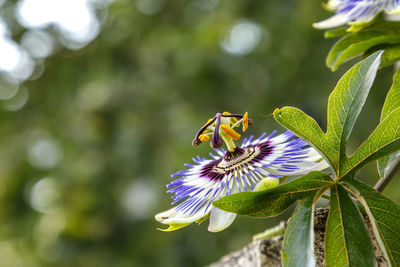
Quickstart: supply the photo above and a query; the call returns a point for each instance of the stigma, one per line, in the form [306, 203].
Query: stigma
[221, 129]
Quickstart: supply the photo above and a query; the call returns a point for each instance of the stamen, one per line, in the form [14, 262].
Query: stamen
[230, 132]
[245, 121]
[196, 141]
[238, 116]
[233, 120]
[224, 122]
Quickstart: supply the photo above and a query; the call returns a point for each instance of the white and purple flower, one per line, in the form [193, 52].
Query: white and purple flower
[356, 11]
[234, 170]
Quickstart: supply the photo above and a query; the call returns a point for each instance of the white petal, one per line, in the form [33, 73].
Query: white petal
[172, 216]
[395, 11]
[220, 220]
[332, 22]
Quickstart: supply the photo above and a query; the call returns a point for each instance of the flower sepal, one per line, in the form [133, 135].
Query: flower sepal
[266, 183]
[173, 227]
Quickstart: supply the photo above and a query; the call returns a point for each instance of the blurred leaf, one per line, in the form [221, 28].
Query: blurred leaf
[390, 55]
[384, 215]
[356, 44]
[391, 103]
[300, 234]
[364, 39]
[336, 32]
[347, 239]
[276, 200]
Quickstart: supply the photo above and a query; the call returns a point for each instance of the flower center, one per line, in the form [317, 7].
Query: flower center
[235, 159]
[221, 130]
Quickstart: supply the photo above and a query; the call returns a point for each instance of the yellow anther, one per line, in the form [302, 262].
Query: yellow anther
[245, 121]
[233, 119]
[230, 132]
[204, 138]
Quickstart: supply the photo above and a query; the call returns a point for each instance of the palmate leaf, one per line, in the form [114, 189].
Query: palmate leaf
[344, 106]
[274, 201]
[391, 103]
[346, 101]
[347, 239]
[384, 215]
[300, 234]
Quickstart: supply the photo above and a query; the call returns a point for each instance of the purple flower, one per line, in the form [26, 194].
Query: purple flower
[356, 11]
[234, 170]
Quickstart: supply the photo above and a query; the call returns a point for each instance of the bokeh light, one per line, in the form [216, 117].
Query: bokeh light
[44, 153]
[44, 196]
[242, 38]
[140, 199]
[75, 19]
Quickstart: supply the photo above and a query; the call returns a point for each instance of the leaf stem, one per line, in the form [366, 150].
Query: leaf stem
[271, 232]
[383, 182]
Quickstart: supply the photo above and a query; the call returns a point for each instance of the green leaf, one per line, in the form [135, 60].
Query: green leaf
[355, 44]
[346, 101]
[391, 103]
[305, 127]
[274, 201]
[389, 57]
[384, 140]
[336, 32]
[384, 215]
[357, 49]
[344, 106]
[300, 234]
[347, 240]
[365, 39]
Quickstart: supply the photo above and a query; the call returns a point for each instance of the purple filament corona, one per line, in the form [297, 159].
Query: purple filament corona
[227, 172]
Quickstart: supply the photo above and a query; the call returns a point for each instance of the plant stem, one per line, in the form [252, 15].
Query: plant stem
[271, 232]
[382, 183]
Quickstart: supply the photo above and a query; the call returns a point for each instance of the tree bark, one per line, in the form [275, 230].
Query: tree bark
[268, 252]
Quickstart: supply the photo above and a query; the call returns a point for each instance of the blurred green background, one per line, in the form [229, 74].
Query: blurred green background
[103, 99]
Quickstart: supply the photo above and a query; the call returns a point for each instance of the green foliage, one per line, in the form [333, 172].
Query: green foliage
[384, 215]
[299, 233]
[363, 41]
[278, 198]
[391, 103]
[347, 239]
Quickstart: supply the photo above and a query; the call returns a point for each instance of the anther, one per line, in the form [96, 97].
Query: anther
[245, 121]
[203, 129]
[230, 132]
